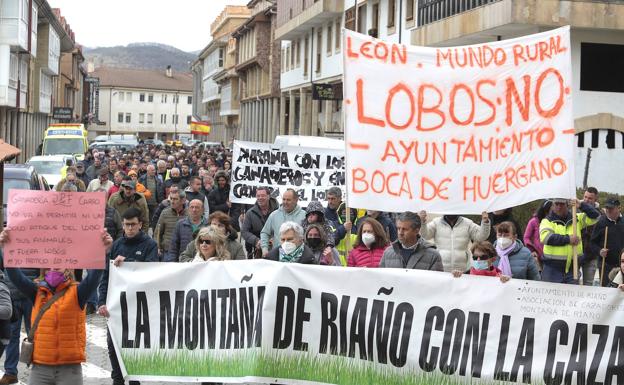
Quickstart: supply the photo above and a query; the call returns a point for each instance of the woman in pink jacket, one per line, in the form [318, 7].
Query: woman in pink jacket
[369, 245]
[531, 234]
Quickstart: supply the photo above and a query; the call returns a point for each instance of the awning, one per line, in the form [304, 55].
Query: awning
[7, 151]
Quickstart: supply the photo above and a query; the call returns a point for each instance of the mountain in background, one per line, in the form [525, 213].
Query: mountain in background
[141, 55]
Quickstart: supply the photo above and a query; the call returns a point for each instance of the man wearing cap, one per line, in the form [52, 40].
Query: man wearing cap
[81, 174]
[558, 239]
[101, 183]
[612, 219]
[127, 197]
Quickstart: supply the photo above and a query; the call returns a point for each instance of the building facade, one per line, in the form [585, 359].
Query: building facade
[258, 67]
[597, 50]
[215, 81]
[32, 40]
[148, 103]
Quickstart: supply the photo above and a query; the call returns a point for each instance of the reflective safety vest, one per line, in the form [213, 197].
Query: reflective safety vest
[341, 247]
[550, 226]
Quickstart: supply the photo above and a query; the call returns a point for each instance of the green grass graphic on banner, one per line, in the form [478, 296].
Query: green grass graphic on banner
[297, 366]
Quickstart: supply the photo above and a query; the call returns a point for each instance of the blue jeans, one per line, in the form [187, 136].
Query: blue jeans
[557, 274]
[23, 308]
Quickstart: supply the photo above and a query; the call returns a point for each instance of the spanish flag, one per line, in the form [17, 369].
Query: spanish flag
[200, 128]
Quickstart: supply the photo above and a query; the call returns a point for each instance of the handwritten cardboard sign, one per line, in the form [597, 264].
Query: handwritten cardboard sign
[55, 229]
[310, 171]
[458, 129]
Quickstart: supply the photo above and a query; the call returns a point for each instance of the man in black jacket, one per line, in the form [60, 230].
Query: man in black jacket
[615, 238]
[133, 246]
[255, 218]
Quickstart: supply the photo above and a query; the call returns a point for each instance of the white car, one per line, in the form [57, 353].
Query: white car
[49, 166]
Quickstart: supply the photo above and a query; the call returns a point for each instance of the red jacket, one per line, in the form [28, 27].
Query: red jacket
[362, 256]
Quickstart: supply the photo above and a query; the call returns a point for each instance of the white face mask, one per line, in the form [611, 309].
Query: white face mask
[288, 247]
[368, 238]
[504, 242]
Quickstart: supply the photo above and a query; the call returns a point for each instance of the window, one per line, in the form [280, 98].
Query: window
[375, 17]
[298, 53]
[221, 56]
[174, 119]
[150, 118]
[595, 139]
[128, 117]
[338, 36]
[163, 118]
[188, 119]
[391, 12]
[601, 67]
[150, 98]
[141, 118]
[141, 97]
[409, 10]
[288, 59]
[120, 116]
[319, 41]
[580, 139]
[129, 96]
[189, 100]
[328, 47]
[306, 56]
[176, 98]
[163, 98]
[120, 96]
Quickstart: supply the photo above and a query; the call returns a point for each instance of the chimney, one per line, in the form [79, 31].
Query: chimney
[169, 72]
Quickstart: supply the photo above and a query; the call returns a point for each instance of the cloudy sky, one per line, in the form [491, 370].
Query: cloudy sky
[184, 24]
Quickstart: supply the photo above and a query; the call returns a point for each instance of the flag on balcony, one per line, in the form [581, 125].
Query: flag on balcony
[200, 128]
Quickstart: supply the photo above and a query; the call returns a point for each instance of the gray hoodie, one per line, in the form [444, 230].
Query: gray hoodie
[270, 231]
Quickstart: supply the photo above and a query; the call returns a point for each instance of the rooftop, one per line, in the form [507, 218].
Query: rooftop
[143, 79]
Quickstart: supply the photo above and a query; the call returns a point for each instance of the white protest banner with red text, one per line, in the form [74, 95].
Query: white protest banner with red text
[458, 129]
[55, 229]
[310, 171]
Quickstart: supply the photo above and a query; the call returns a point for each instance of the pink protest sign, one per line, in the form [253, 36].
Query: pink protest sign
[55, 229]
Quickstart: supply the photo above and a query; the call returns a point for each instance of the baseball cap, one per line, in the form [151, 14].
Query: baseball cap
[129, 183]
[559, 200]
[612, 202]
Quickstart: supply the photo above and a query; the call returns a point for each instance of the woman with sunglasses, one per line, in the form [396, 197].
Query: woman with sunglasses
[483, 258]
[210, 244]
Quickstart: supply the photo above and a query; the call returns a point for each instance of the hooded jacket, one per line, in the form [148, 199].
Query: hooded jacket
[254, 222]
[522, 263]
[121, 204]
[423, 256]
[270, 231]
[452, 242]
[328, 226]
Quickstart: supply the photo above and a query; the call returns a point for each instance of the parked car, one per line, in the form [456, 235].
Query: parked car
[21, 177]
[155, 142]
[103, 146]
[117, 138]
[49, 166]
[209, 145]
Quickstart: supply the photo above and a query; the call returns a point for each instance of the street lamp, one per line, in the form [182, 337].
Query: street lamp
[110, 111]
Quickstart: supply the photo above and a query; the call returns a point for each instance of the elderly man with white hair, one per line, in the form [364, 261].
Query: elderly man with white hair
[292, 248]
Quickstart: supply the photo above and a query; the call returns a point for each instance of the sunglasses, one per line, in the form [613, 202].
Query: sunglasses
[477, 257]
[205, 241]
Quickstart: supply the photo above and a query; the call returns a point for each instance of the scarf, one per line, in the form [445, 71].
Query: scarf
[503, 263]
[292, 257]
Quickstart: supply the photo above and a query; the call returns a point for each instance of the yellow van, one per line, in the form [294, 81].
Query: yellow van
[65, 139]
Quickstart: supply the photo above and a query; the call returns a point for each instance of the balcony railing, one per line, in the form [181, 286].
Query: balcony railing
[430, 11]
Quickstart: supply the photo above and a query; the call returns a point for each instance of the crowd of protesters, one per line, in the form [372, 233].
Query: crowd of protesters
[172, 205]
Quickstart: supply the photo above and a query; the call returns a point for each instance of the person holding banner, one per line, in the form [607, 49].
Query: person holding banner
[483, 258]
[607, 239]
[291, 247]
[558, 237]
[288, 212]
[370, 244]
[617, 275]
[411, 250]
[58, 361]
[514, 259]
[134, 246]
[210, 244]
[452, 235]
[255, 218]
[316, 240]
[315, 214]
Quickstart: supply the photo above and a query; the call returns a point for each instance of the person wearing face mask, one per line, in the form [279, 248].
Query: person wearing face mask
[291, 248]
[452, 235]
[483, 257]
[514, 259]
[315, 214]
[316, 240]
[369, 245]
[72, 180]
[58, 360]
[384, 220]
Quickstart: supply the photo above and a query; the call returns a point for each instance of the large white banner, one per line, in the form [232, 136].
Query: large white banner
[310, 171]
[272, 322]
[458, 129]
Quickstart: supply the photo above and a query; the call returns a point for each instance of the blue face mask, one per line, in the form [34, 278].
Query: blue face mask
[480, 265]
